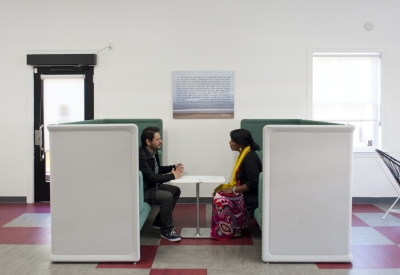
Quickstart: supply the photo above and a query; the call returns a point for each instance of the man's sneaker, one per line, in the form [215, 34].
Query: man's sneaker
[171, 236]
[157, 225]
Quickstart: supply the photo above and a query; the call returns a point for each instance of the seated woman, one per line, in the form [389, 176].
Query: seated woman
[236, 201]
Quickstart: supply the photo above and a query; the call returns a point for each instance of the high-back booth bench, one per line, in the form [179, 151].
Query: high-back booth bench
[96, 192]
[305, 189]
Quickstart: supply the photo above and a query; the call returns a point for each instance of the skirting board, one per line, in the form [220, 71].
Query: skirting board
[356, 200]
[23, 200]
[361, 200]
[13, 199]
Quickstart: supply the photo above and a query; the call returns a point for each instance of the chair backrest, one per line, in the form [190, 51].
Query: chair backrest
[392, 164]
[141, 123]
[256, 126]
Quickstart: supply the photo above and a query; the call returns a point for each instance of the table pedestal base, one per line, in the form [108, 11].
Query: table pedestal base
[204, 233]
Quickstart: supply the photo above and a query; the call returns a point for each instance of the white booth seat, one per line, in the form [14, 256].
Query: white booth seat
[306, 207]
[94, 193]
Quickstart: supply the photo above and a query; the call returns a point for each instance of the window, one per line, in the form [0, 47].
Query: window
[346, 88]
[63, 101]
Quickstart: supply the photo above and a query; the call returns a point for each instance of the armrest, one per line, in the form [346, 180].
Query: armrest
[141, 191]
[260, 191]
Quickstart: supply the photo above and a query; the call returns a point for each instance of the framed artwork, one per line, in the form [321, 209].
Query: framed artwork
[203, 94]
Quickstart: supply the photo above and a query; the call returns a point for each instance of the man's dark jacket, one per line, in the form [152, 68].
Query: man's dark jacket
[150, 179]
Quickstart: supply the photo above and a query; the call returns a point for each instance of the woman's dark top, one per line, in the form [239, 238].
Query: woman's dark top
[248, 174]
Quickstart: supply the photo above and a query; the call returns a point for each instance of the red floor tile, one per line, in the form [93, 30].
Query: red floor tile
[245, 239]
[38, 208]
[252, 223]
[147, 255]
[334, 265]
[366, 208]
[25, 207]
[178, 272]
[390, 232]
[25, 235]
[356, 221]
[185, 216]
[369, 257]
[12, 206]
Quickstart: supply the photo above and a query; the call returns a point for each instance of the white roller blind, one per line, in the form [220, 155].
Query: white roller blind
[63, 100]
[345, 87]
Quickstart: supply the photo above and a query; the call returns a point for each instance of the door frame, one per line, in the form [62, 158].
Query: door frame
[41, 186]
[47, 60]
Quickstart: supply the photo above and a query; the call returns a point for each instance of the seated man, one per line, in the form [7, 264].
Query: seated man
[154, 175]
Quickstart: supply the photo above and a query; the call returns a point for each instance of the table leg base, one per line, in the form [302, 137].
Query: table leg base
[204, 233]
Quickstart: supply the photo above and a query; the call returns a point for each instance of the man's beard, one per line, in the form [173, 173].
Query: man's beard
[155, 148]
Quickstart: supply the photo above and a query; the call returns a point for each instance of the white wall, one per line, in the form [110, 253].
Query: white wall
[264, 42]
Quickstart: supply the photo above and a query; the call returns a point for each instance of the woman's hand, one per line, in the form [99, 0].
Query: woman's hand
[227, 190]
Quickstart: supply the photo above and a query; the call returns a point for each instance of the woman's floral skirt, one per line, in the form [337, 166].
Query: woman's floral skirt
[229, 216]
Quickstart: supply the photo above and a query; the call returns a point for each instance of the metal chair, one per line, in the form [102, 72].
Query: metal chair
[394, 167]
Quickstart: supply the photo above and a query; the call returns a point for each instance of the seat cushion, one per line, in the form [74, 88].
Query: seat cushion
[258, 216]
[144, 213]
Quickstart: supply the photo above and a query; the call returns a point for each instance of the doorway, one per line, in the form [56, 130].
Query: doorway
[61, 94]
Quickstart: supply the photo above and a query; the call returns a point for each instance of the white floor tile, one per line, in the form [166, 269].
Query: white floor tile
[368, 236]
[375, 219]
[31, 220]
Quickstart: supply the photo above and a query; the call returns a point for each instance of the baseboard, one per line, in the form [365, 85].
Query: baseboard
[12, 199]
[180, 200]
[355, 200]
[360, 200]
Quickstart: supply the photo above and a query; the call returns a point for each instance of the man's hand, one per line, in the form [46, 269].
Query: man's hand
[177, 172]
[179, 165]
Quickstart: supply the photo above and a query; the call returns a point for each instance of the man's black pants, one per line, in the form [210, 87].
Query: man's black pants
[166, 197]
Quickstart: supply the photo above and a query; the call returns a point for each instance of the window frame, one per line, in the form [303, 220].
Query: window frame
[379, 132]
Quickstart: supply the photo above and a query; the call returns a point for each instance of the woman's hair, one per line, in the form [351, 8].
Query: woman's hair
[243, 137]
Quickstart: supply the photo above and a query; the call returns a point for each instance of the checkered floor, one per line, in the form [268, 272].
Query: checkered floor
[25, 247]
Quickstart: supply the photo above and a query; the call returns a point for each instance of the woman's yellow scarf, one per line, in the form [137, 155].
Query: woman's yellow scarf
[232, 183]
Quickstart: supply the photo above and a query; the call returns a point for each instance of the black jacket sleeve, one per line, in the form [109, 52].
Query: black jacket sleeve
[145, 166]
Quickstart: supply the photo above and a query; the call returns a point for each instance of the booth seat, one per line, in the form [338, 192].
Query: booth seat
[255, 126]
[141, 123]
[144, 207]
[258, 211]
[304, 190]
[97, 197]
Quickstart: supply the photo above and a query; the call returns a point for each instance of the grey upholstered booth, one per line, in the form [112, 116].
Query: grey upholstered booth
[305, 190]
[97, 206]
